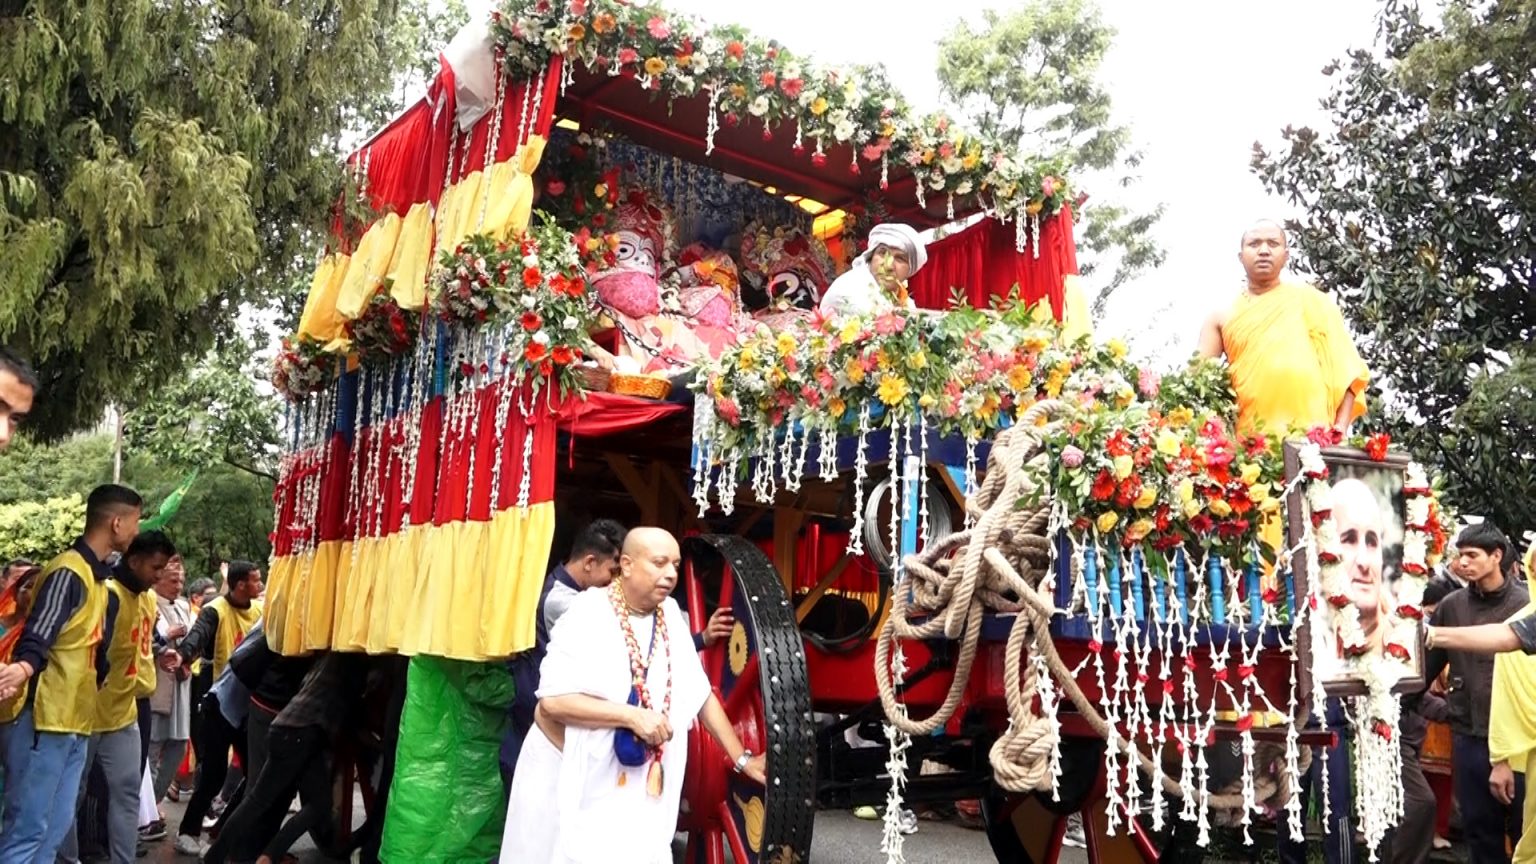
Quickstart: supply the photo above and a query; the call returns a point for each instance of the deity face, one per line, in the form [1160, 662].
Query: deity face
[792, 289]
[636, 253]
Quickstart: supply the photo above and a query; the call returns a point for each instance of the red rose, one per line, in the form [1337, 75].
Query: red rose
[535, 352]
[532, 321]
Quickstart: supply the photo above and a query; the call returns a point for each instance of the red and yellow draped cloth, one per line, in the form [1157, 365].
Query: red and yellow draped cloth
[426, 533]
[414, 508]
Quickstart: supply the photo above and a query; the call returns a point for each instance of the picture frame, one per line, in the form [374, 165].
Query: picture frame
[1370, 503]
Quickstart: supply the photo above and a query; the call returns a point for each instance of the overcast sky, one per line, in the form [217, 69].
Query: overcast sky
[1198, 81]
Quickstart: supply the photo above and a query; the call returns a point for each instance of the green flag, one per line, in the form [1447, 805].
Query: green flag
[169, 506]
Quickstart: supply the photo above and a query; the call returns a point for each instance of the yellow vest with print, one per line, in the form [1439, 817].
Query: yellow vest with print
[234, 623]
[66, 688]
[130, 659]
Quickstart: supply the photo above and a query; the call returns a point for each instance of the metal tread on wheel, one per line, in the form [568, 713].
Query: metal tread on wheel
[759, 675]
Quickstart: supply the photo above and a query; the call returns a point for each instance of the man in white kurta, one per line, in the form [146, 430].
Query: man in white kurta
[876, 282]
[582, 806]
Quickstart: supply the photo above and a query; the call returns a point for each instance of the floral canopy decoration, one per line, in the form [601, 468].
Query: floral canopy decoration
[814, 106]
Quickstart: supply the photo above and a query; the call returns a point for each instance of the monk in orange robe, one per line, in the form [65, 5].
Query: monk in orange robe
[1293, 363]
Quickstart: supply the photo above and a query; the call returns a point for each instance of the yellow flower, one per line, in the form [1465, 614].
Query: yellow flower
[1107, 522]
[970, 160]
[776, 376]
[747, 359]
[887, 130]
[819, 107]
[1178, 418]
[927, 401]
[1124, 398]
[1269, 505]
[1169, 442]
[786, 344]
[1147, 498]
[893, 389]
[988, 408]
[1186, 490]
[917, 360]
[683, 60]
[855, 370]
[928, 156]
[600, 190]
[1019, 378]
[836, 406]
[1220, 508]
[1053, 383]
[1259, 492]
[1036, 343]
[655, 66]
[849, 332]
[1139, 530]
[1117, 349]
[882, 360]
[1192, 508]
[1250, 473]
[1123, 467]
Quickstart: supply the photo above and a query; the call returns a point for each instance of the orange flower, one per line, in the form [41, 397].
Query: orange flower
[576, 33]
[532, 277]
[604, 23]
[562, 355]
[655, 66]
[535, 352]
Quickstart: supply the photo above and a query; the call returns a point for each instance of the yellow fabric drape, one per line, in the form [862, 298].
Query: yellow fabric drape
[319, 319]
[510, 205]
[458, 211]
[465, 590]
[1280, 384]
[370, 264]
[413, 258]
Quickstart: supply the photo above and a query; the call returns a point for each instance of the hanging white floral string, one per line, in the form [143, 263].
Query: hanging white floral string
[860, 471]
[713, 88]
[971, 440]
[703, 452]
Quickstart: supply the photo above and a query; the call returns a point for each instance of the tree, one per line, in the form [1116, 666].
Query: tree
[162, 166]
[1420, 214]
[215, 414]
[1030, 77]
[38, 530]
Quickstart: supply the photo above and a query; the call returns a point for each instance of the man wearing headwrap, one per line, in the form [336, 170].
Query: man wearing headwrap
[877, 280]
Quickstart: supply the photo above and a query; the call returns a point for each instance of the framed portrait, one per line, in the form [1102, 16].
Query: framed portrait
[1369, 514]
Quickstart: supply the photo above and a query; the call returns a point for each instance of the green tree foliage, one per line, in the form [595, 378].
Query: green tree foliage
[38, 530]
[1031, 76]
[1420, 214]
[215, 414]
[163, 166]
[227, 514]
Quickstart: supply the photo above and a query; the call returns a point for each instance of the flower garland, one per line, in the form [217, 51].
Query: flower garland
[383, 331]
[301, 368]
[749, 77]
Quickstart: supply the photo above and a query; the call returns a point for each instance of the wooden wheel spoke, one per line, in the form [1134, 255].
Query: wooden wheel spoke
[727, 587]
[696, 617]
[745, 687]
[733, 836]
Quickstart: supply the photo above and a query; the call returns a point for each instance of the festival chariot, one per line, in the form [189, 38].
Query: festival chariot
[964, 530]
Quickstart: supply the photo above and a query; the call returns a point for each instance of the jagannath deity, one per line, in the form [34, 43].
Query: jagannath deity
[790, 269]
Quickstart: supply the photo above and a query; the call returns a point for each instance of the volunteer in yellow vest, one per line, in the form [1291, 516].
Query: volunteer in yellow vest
[48, 692]
[1293, 363]
[127, 675]
[226, 619]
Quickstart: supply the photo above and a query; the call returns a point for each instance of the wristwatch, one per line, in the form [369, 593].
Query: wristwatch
[741, 761]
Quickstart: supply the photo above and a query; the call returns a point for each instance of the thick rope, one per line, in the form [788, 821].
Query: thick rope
[998, 564]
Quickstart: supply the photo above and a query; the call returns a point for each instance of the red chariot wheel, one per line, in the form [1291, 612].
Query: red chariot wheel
[759, 675]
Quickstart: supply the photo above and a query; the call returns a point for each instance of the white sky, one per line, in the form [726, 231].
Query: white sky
[1197, 81]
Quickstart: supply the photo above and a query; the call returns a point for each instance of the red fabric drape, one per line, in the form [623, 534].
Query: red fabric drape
[607, 413]
[985, 261]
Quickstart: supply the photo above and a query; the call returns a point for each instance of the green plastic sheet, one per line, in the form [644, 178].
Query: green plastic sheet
[446, 803]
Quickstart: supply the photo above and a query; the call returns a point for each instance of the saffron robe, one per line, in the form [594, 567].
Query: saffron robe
[1292, 359]
[581, 806]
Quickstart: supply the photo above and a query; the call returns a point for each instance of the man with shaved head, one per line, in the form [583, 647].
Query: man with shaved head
[600, 775]
[1293, 363]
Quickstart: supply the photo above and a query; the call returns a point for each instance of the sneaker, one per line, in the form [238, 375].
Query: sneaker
[186, 844]
[907, 821]
[866, 812]
[153, 831]
[210, 820]
[1074, 836]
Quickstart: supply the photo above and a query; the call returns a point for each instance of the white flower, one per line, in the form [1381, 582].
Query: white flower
[1319, 495]
[759, 106]
[529, 301]
[584, 139]
[708, 45]
[791, 70]
[844, 131]
[809, 96]
[964, 188]
[1415, 549]
[952, 165]
[1418, 509]
[570, 322]
[530, 260]
[541, 337]
[1416, 478]
[937, 181]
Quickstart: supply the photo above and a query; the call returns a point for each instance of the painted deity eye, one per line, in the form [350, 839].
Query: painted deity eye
[627, 249]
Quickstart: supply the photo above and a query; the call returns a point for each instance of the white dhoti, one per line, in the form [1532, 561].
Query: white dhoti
[582, 806]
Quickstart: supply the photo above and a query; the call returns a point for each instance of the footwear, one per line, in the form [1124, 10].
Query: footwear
[906, 821]
[866, 812]
[210, 820]
[1441, 842]
[186, 844]
[1074, 836]
[153, 831]
[174, 793]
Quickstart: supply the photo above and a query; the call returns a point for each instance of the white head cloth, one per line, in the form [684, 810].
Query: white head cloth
[903, 237]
